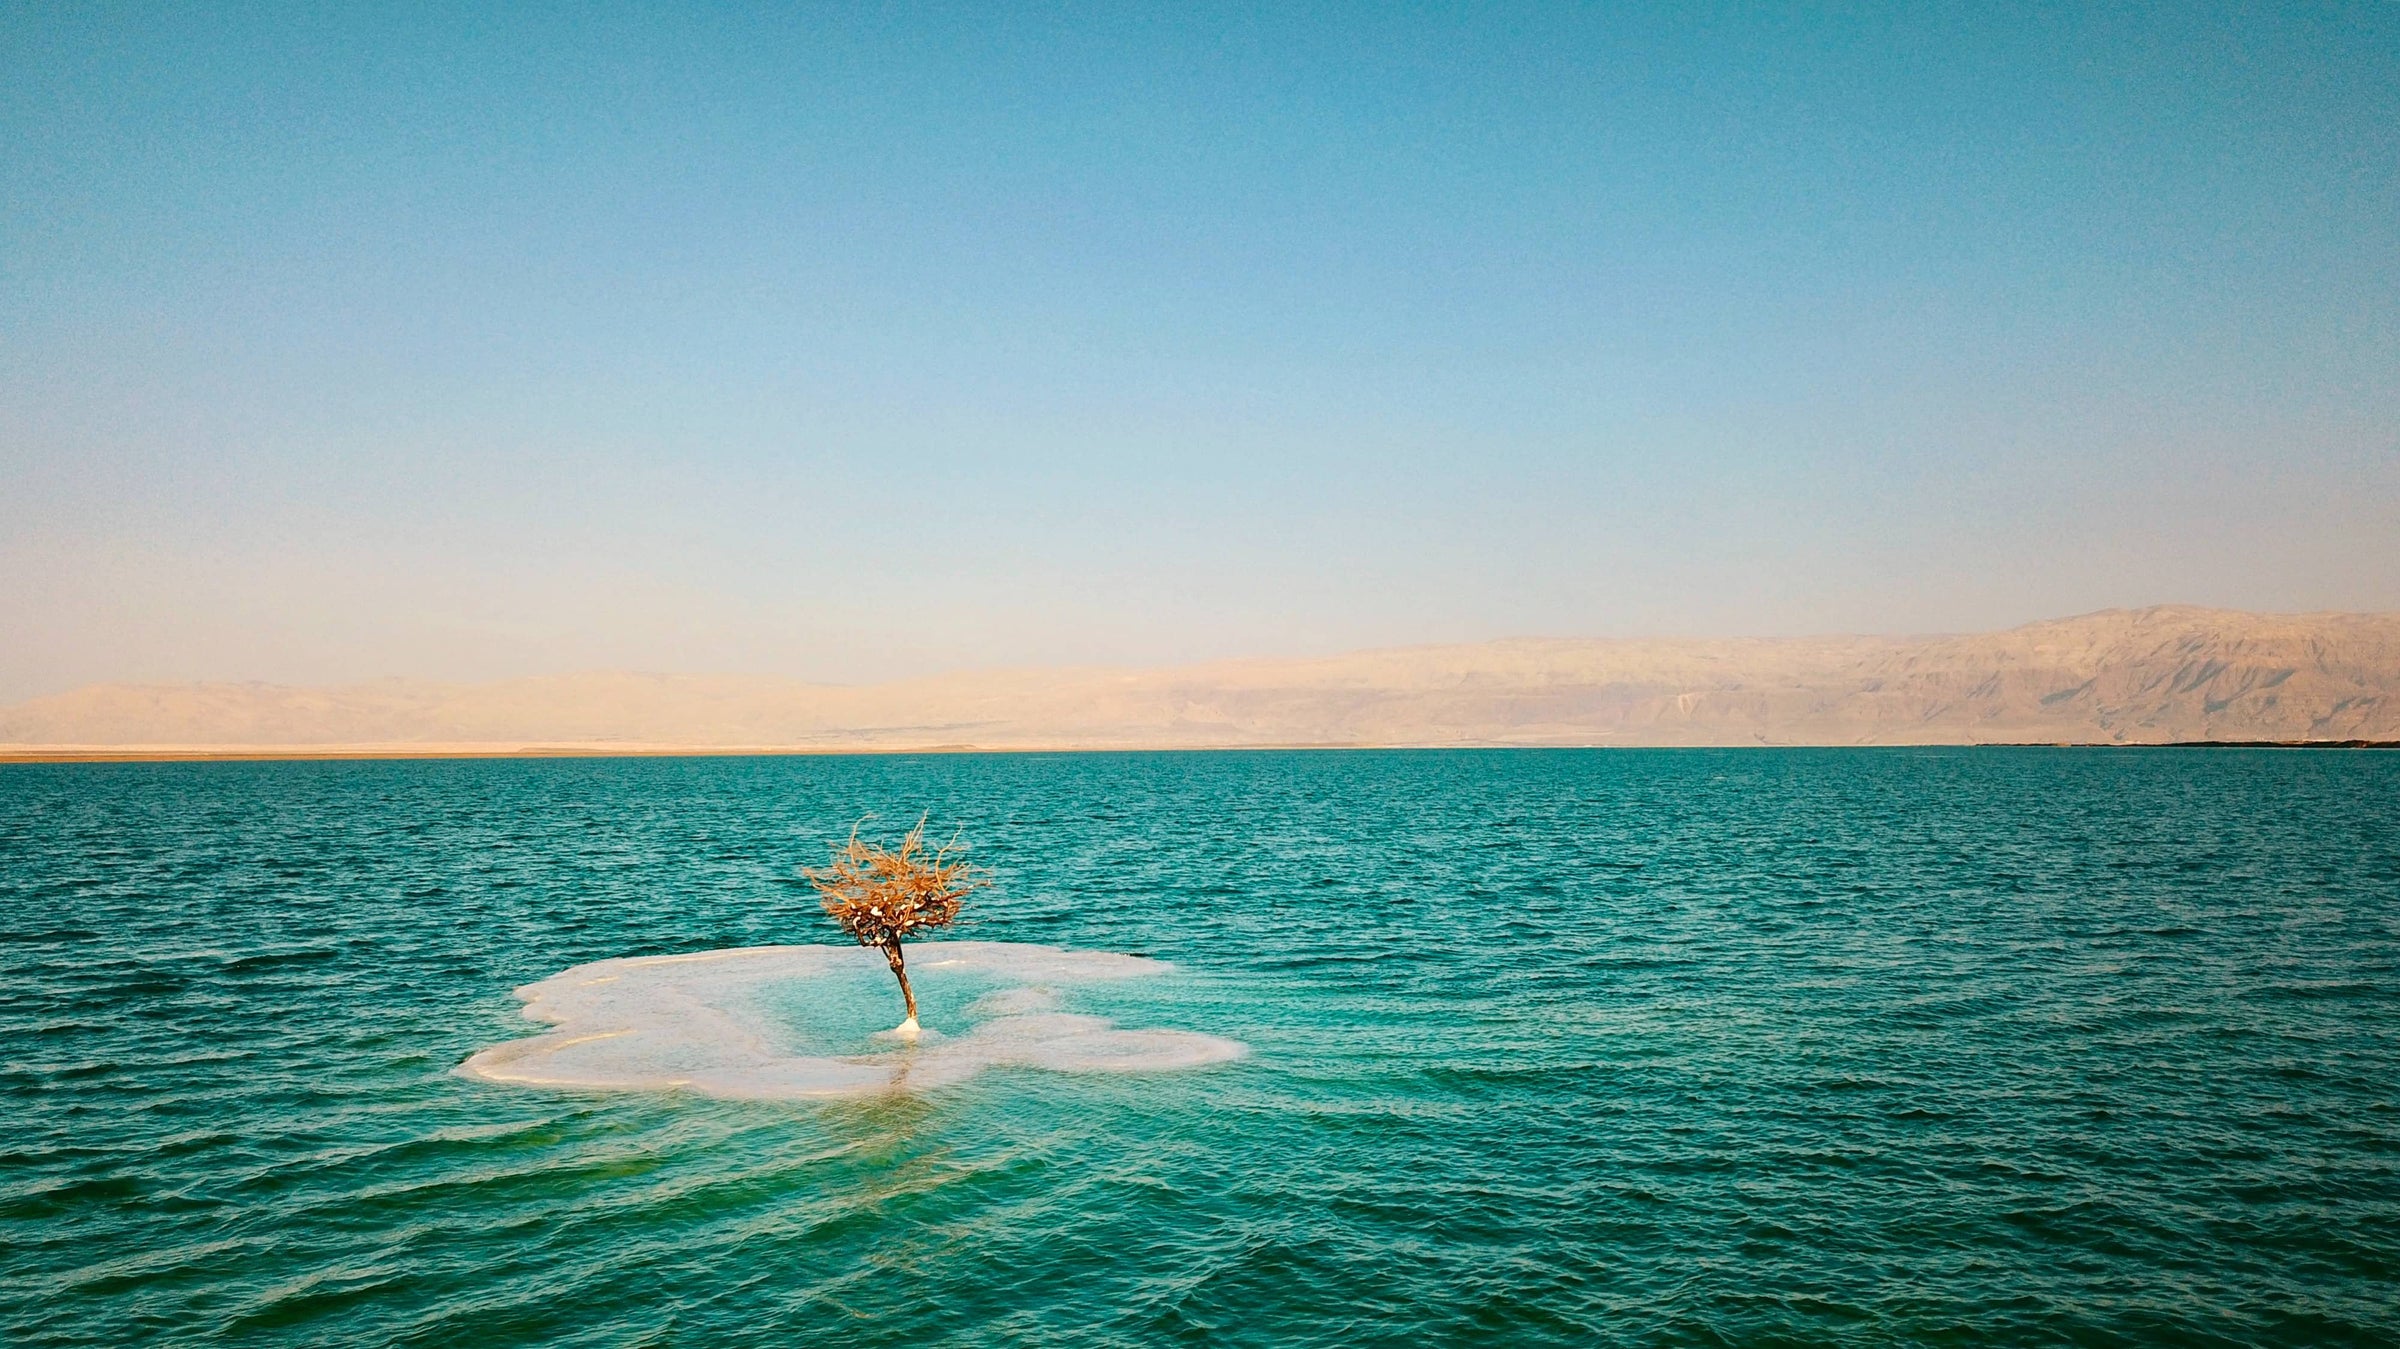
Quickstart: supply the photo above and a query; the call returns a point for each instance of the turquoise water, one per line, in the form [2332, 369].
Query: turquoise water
[2023, 1046]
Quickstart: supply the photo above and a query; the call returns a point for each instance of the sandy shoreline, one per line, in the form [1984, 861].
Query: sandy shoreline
[2156, 676]
[25, 754]
[601, 750]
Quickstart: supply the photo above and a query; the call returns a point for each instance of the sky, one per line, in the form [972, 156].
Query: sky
[865, 341]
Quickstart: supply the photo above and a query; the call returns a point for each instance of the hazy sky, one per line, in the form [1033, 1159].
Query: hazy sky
[352, 340]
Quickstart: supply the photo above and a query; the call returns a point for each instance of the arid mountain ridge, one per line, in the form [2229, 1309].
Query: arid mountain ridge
[2155, 675]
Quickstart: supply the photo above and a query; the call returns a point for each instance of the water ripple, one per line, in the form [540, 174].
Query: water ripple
[1548, 1048]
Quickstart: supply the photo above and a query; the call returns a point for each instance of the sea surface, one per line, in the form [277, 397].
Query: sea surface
[2018, 1046]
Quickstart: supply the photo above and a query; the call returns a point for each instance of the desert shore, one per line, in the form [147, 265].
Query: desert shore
[593, 750]
[24, 754]
[2147, 676]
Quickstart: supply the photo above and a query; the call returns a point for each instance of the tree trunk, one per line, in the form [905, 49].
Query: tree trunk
[891, 956]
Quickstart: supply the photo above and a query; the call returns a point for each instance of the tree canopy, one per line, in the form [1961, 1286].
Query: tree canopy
[882, 895]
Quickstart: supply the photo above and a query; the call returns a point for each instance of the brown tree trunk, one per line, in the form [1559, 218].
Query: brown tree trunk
[891, 956]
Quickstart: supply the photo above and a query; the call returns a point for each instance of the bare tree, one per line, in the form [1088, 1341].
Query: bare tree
[880, 895]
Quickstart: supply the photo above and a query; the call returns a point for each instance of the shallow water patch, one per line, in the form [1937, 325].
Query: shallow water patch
[788, 1022]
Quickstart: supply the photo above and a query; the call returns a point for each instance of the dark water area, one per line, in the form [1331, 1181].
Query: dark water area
[1615, 1047]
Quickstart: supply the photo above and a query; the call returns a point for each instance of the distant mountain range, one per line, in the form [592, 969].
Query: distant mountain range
[2137, 676]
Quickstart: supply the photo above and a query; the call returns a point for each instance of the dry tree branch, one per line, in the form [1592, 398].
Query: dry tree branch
[882, 895]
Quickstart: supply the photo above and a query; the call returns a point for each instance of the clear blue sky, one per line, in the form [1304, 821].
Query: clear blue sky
[870, 340]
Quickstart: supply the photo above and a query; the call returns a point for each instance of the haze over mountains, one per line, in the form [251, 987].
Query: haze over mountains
[2120, 676]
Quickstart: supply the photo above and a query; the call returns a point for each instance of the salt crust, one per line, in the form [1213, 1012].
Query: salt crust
[698, 1023]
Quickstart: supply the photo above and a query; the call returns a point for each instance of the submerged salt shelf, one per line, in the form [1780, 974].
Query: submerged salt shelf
[738, 1023]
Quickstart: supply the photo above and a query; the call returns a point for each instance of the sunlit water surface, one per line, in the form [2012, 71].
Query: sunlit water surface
[1610, 1047]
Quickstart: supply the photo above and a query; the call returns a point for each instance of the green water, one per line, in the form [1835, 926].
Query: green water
[1998, 1046]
